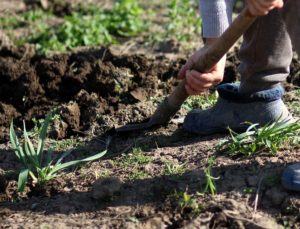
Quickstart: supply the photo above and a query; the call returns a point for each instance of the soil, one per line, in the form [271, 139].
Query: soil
[83, 86]
[95, 90]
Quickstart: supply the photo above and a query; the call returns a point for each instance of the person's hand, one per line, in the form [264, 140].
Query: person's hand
[196, 82]
[262, 7]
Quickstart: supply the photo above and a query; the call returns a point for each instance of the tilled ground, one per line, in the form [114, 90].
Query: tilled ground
[83, 86]
[94, 90]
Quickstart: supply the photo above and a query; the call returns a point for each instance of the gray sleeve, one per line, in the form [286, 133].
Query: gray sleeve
[216, 16]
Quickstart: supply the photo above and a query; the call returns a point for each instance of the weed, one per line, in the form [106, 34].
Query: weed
[171, 168]
[137, 175]
[38, 123]
[181, 24]
[210, 185]
[186, 201]
[102, 173]
[248, 190]
[66, 144]
[35, 164]
[202, 102]
[295, 107]
[91, 26]
[183, 18]
[26, 18]
[137, 157]
[267, 138]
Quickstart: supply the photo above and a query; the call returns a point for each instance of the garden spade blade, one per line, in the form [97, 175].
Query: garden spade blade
[168, 108]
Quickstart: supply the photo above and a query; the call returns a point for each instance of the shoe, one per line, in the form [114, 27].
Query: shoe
[290, 178]
[234, 109]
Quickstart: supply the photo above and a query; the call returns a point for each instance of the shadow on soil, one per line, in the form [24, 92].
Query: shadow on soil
[240, 180]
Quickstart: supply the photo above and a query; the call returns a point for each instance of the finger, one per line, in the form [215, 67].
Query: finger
[191, 91]
[196, 84]
[184, 68]
[259, 8]
[208, 78]
[279, 4]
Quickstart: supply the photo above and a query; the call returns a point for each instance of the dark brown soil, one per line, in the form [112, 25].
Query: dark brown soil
[82, 85]
[94, 90]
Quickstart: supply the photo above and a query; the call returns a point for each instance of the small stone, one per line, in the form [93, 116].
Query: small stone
[149, 168]
[104, 188]
[70, 113]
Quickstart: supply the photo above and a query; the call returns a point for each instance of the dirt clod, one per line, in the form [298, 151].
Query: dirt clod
[105, 188]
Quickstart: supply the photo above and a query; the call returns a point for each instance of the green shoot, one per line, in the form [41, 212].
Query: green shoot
[171, 168]
[40, 167]
[186, 201]
[268, 138]
[202, 102]
[135, 158]
[210, 185]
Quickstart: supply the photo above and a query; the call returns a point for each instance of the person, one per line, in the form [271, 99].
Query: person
[266, 53]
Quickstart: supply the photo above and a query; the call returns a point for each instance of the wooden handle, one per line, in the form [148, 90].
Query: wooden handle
[212, 56]
[215, 52]
[218, 49]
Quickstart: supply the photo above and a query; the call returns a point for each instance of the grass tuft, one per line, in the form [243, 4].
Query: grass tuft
[269, 138]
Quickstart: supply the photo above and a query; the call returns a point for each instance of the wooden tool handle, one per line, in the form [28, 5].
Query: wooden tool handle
[214, 53]
[212, 56]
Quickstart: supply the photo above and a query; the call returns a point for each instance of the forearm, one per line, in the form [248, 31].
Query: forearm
[216, 16]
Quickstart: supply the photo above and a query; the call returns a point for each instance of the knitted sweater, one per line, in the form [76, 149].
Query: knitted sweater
[216, 16]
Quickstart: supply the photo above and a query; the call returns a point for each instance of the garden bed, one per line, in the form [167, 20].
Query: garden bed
[147, 179]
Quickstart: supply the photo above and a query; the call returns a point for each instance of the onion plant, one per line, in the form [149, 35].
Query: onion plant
[38, 164]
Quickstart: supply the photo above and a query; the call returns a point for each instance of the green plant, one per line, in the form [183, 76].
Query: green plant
[210, 185]
[267, 138]
[202, 101]
[181, 23]
[135, 158]
[91, 26]
[171, 168]
[40, 167]
[186, 201]
[295, 107]
[137, 175]
[184, 20]
[38, 123]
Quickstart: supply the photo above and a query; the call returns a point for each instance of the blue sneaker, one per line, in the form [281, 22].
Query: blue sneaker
[291, 177]
[233, 109]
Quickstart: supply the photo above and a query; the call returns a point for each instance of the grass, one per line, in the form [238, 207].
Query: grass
[90, 26]
[182, 23]
[136, 174]
[295, 107]
[135, 158]
[27, 18]
[38, 164]
[171, 168]
[186, 202]
[210, 186]
[202, 101]
[269, 138]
